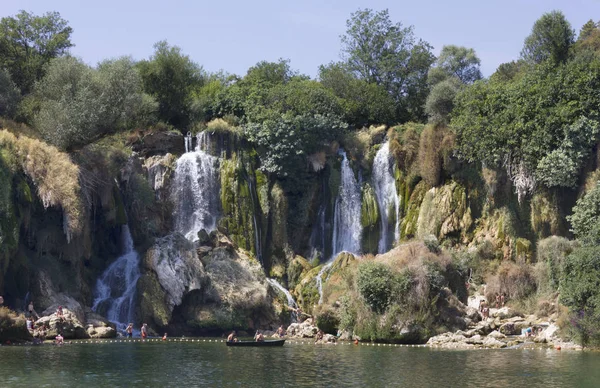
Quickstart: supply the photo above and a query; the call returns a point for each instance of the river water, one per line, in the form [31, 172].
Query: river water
[192, 364]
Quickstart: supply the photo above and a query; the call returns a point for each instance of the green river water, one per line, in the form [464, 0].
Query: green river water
[193, 364]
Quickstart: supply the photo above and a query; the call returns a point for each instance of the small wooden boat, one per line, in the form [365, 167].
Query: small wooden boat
[254, 343]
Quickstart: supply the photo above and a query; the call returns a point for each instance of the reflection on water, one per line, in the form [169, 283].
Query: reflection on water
[194, 364]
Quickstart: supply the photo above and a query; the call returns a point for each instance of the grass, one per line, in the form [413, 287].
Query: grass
[55, 176]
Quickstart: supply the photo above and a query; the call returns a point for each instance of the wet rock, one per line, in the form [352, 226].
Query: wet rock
[203, 237]
[159, 143]
[159, 170]
[496, 335]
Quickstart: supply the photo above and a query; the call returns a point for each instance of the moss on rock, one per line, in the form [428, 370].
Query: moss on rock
[369, 219]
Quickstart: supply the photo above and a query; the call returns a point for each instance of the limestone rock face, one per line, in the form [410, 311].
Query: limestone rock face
[99, 327]
[159, 169]
[177, 267]
[305, 329]
[444, 211]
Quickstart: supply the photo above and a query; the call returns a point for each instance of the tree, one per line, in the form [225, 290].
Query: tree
[440, 101]
[456, 61]
[387, 54]
[585, 220]
[9, 95]
[79, 104]
[172, 79]
[28, 43]
[362, 103]
[550, 39]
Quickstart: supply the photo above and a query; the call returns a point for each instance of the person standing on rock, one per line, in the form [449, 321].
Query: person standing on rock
[503, 299]
[144, 331]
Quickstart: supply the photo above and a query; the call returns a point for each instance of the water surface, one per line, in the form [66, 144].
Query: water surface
[192, 364]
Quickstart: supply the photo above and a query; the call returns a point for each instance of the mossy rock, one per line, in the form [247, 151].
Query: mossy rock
[545, 215]
[296, 270]
[370, 220]
[408, 227]
[153, 308]
[524, 250]
[306, 292]
[277, 271]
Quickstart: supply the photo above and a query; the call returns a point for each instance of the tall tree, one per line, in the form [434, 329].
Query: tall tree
[388, 54]
[456, 61]
[9, 95]
[551, 38]
[171, 78]
[29, 42]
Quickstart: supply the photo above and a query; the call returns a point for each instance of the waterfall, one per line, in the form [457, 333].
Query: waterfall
[196, 189]
[290, 299]
[188, 142]
[115, 289]
[347, 230]
[387, 196]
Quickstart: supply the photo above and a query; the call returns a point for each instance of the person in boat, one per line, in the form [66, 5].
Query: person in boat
[129, 330]
[259, 337]
[144, 331]
[232, 337]
[281, 332]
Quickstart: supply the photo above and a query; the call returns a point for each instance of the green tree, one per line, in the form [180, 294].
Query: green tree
[551, 38]
[580, 291]
[375, 283]
[171, 78]
[9, 95]
[440, 101]
[456, 61]
[389, 55]
[585, 220]
[28, 43]
[362, 103]
[78, 104]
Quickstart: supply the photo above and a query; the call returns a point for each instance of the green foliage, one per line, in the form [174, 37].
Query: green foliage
[78, 104]
[580, 291]
[388, 54]
[28, 43]
[455, 62]
[171, 78]
[9, 95]
[328, 321]
[545, 109]
[362, 103]
[374, 282]
[551, 252]
[283, 143]
[440, 101]
[550, 39]
[585, 220]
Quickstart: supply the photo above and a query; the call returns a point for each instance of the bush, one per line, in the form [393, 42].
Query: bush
[12, 326]
[586, 216]
[430, 160]
[9, 95]
[516, 281]
[432, 243]
[328, 322]
[551, 253]
[374, 283]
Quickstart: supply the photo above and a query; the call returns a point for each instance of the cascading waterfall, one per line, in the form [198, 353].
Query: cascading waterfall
[290, 299]
[196, 189]
[114, 294]
[347, 230]
[387, 197]
[188, 142]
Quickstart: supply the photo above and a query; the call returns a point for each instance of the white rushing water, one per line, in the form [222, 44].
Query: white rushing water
[196, 189]
[347, 231]
[290, 299]
[387, 197]
[114, 294]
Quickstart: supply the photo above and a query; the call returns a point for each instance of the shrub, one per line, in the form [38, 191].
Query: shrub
[12, 326]
[432, 243]
[374, 283]
[9, 95]
[430, 161]
[586, 216]
[328, 321]
[516, 281]
[551, 253]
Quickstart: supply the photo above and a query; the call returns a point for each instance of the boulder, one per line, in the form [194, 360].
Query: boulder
[101, 332]
[159, 169]
[491, 342]
[496, 335]
[69, 326]
[305, 329]
[503, 313]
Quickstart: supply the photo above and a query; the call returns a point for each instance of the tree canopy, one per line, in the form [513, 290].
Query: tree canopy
[28, 43]
[551, 38]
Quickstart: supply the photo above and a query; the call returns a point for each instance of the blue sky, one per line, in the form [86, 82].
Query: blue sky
[234, 35]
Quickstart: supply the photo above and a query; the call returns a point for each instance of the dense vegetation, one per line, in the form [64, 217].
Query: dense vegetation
[534, 124]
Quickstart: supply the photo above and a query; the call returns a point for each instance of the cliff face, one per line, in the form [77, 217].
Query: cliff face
[267, 225]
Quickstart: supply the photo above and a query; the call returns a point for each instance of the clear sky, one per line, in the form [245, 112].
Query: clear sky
[234, 35]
